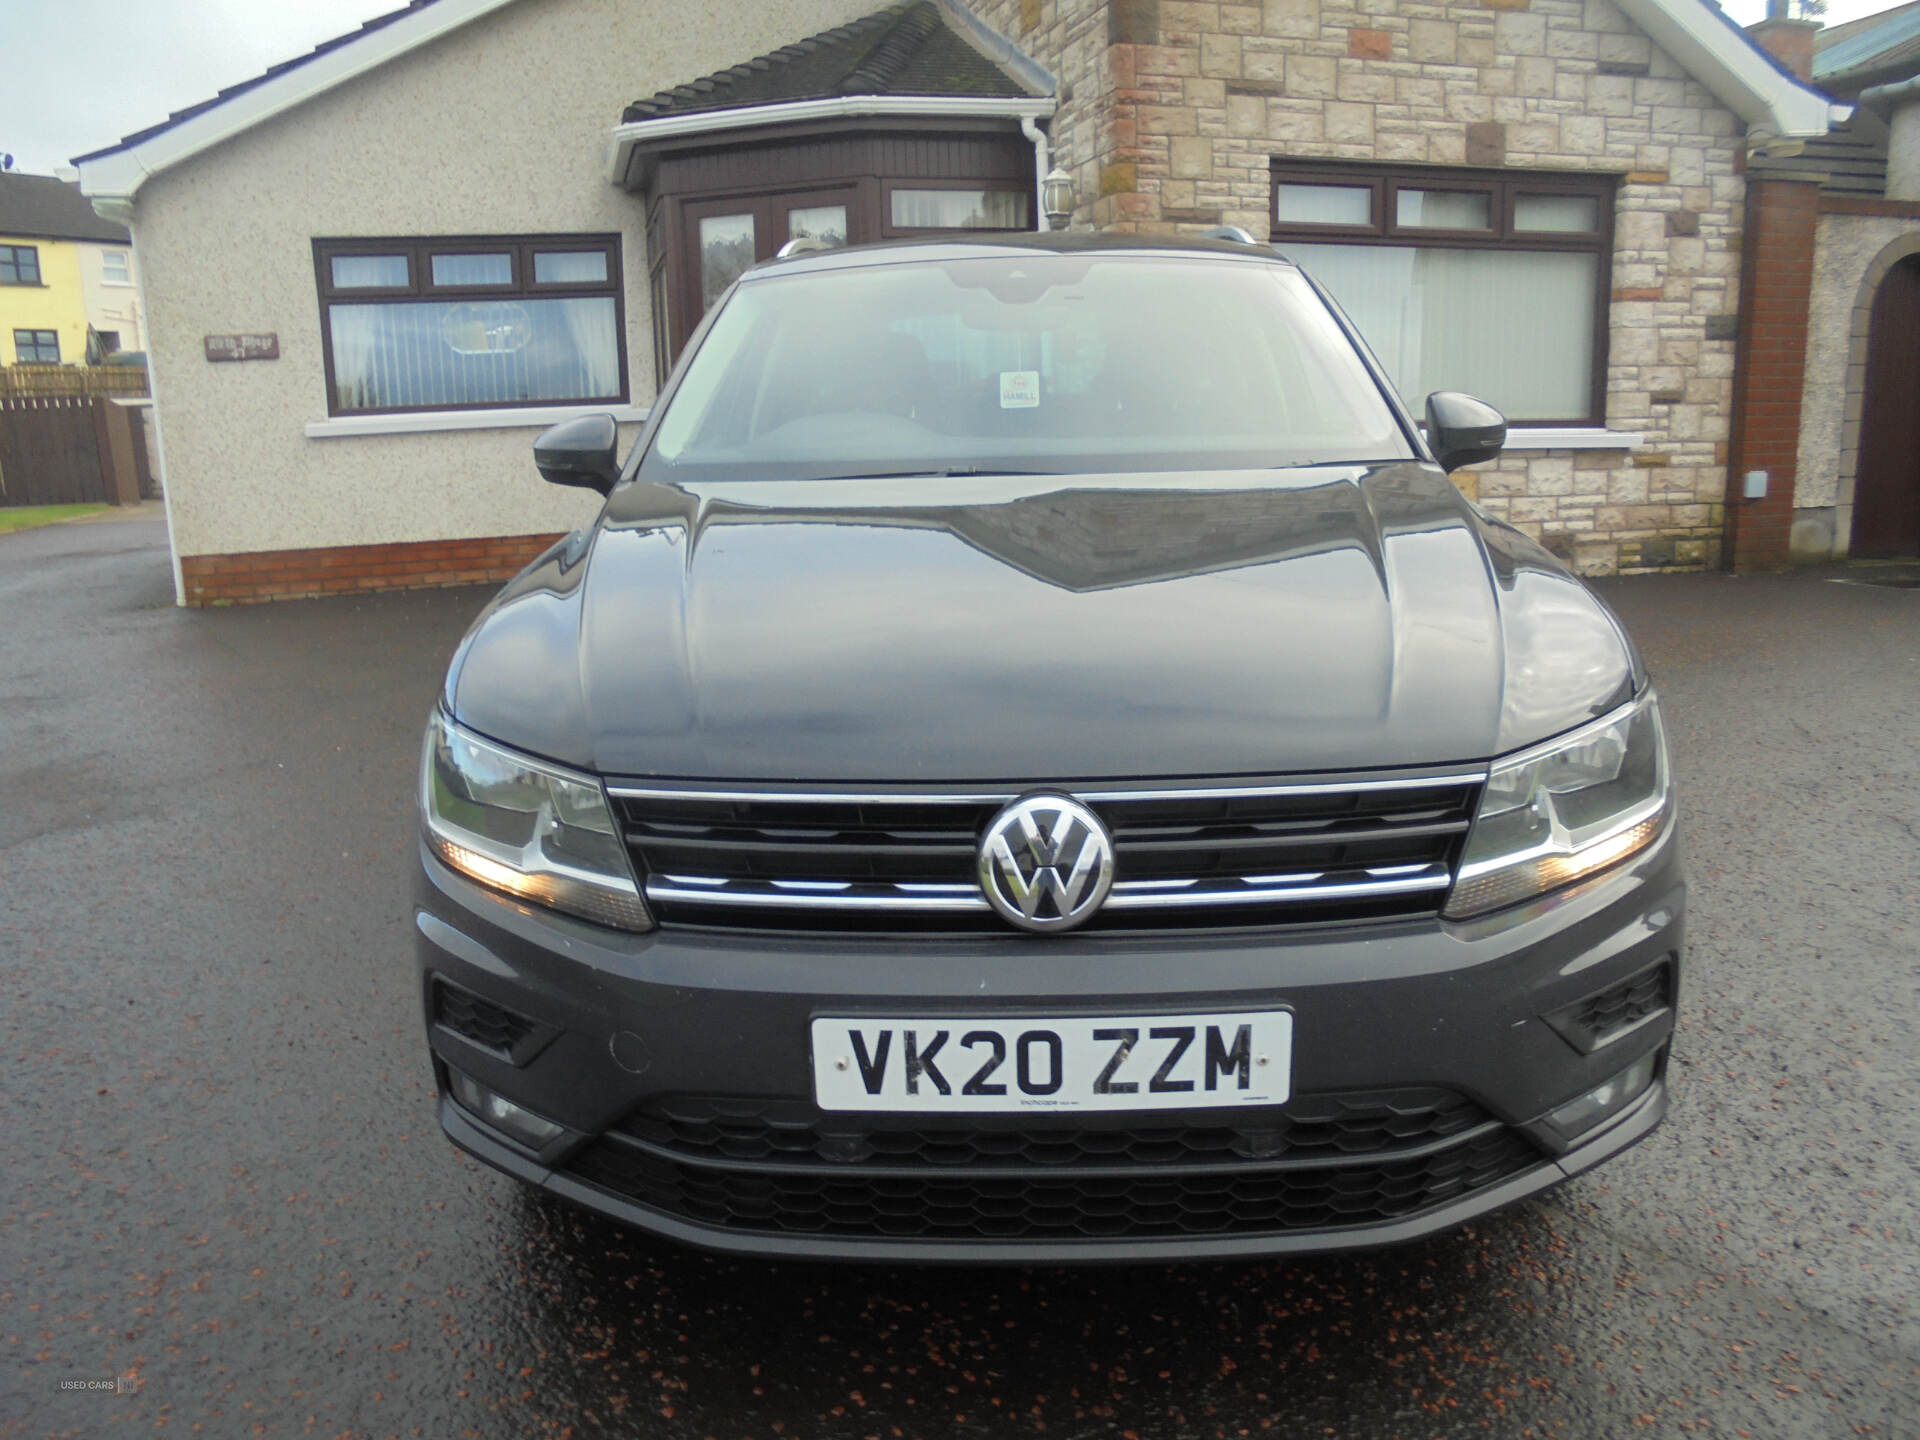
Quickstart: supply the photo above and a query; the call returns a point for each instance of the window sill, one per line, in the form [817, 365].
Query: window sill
[1572, 437]
[416, 422]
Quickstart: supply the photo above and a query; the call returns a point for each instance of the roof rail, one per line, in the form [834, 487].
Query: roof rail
[1234, 233]
[803, 245]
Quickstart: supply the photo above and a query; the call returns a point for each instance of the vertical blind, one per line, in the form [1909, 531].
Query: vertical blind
[1514, 327]
[504, 352]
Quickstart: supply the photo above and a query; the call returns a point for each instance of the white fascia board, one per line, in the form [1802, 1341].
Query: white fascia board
[1725, 61]
[115, 178]
[799, 112]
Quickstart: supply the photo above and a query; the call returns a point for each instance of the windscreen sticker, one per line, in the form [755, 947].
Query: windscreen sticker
[1019, 389]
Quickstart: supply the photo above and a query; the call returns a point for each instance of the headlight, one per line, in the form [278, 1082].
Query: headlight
[1563, 810]
[525, 827]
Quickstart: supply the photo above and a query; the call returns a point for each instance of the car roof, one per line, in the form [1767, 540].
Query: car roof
[1008, 245]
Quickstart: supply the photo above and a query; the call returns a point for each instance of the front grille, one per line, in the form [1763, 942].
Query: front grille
[483, 1023]
[1083, 1196]
[1232, 855]
[791, 1132]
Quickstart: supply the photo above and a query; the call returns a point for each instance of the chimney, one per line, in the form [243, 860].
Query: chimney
[1788, 40]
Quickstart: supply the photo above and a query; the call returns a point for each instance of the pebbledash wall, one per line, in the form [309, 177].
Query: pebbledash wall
[459, 137]
[1177, 110]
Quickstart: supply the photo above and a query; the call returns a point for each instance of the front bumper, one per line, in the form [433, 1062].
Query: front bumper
[611, 1032]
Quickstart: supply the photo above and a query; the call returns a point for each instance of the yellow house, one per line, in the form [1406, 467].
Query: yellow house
[67, 292]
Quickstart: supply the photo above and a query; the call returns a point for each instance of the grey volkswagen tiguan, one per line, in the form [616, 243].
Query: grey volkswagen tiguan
[1036, 760]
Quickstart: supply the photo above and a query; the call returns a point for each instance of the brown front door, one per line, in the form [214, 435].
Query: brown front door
[726, 236]
[1886, 492]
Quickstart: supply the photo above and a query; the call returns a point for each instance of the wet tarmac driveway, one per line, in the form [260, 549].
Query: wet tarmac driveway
[223, 1179]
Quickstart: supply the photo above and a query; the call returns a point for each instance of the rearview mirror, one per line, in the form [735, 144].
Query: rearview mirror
[1462, 430]
[583, 451]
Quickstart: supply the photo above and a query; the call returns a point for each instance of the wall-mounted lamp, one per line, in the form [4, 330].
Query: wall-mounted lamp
[1056, 198]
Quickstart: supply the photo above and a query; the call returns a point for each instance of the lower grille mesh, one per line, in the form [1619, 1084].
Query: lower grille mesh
[1090, 1206]
[1362, 1123]
[1618, 1011]
[476, 1019]
[1322, 1162]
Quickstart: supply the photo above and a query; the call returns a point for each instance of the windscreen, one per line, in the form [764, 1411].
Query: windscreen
[1021, 364]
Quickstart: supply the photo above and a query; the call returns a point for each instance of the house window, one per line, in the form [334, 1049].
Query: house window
[36, 347]
[115, 267]
[917, 207]
[471, 323]
[1492, 282]
[19, 265]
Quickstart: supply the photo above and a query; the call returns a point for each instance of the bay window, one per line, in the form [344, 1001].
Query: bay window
[1492, 282]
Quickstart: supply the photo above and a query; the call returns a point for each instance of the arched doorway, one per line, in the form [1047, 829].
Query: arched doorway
[1886, 493]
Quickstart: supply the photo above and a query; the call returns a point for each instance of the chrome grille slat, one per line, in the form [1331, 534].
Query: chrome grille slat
[748, 893]
[1231, 854]
[1143, 839]
[1242, 890]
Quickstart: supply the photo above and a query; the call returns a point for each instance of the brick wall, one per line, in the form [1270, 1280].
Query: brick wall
[1177, 110]
[1776, 288]
[296, 574]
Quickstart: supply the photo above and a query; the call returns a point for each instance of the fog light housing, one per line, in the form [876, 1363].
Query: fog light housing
[1604, 1102]
[501, 1113]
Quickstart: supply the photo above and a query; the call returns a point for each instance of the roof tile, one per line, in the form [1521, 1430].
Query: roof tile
[905, 49]
[42, 207]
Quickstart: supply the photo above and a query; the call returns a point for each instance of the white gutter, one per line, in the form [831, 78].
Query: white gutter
[1741, 78]
[1890, 97]
[620, 147]
[111, 180]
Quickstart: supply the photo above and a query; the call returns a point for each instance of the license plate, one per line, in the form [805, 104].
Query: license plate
[1132, 1062]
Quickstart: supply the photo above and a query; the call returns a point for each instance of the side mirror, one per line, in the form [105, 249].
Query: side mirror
[1462, 430]
[583, 451]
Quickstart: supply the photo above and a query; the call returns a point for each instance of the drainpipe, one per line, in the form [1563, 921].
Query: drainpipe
[1900, 103]
[1035, 77]
[1030, 127]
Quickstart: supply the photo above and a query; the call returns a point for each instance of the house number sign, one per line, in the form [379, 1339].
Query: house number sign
[243, 347]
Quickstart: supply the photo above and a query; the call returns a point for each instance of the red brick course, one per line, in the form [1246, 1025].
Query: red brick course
[300, 574]
[1776, 284]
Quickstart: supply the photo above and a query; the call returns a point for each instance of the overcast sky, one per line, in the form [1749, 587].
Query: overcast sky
[76, 75]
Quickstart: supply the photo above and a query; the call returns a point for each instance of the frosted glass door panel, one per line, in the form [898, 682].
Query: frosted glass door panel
[826, 223]
[726, 251]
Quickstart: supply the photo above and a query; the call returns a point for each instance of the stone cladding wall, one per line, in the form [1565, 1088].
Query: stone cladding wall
[1174, 111]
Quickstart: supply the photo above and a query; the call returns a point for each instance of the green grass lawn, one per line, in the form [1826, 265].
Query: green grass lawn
[25, 517]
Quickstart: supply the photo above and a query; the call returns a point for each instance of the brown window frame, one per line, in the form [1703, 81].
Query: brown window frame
[420, 250]
[1504, 189]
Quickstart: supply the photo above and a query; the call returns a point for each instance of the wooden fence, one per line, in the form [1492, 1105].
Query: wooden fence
[78, 380]
[69, 450]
